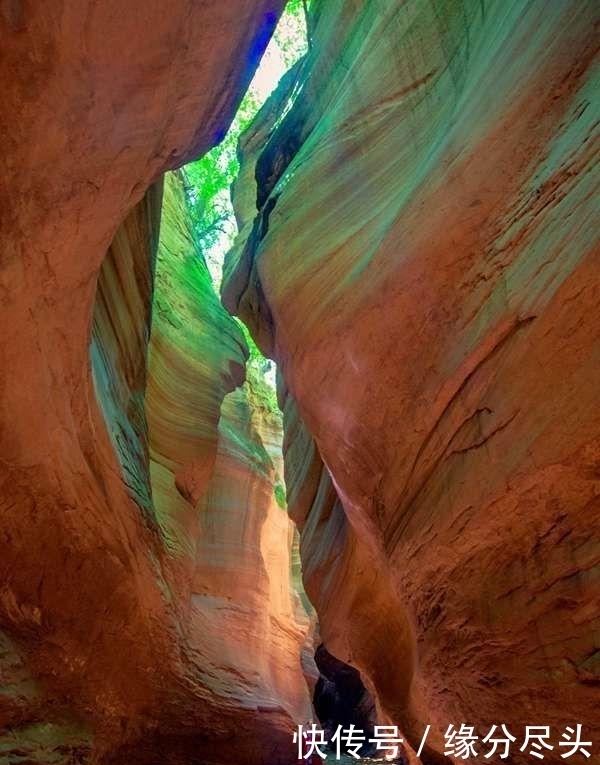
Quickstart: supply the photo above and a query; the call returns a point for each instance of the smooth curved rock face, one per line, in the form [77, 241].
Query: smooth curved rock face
[228, 543]
[425, 270]
[100, 650]
[120, 334]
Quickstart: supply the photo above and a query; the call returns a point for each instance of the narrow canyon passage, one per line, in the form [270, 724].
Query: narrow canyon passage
[299, 381]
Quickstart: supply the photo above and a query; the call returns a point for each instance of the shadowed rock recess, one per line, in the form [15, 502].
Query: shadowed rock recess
[419, 252]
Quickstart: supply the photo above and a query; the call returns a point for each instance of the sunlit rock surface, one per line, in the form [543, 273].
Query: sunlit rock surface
[425, 269]
[228, 541]
[102, 655]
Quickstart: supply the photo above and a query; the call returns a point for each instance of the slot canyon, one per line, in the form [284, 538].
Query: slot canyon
[406, 532]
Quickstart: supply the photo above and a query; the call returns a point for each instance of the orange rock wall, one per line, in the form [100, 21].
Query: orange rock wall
[99, 646]
[228, 543]
[424, 268]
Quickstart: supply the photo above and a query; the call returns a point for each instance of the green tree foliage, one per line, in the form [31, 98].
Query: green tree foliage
[208, 180]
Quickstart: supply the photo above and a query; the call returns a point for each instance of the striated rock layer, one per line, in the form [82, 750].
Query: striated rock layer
[228, 542]
[111, 624]
[424, 267]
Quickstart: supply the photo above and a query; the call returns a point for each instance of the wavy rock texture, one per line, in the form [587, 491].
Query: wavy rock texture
[424, 268]
[213, 489]
[100, 650]
[120, 334]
